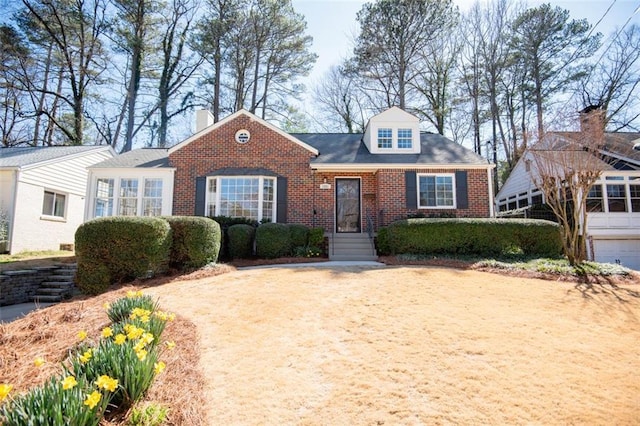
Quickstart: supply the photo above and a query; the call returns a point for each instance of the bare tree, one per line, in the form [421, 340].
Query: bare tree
[565, 168]
[338, 98]
[615, 82]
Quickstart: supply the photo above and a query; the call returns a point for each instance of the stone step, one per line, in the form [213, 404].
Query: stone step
[57, 284]
[352, 257]
[51, 291]
[47, 298]
[61, 276]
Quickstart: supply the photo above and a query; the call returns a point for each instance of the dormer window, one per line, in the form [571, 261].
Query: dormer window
[405, 138]
[385, 138]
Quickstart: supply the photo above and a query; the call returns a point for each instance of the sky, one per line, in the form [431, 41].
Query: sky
[333, 26]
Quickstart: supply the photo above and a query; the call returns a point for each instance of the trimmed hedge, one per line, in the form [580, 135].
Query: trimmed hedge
[126, 247]
[196, 241]
[225, 223]
[241, 241]
[316, 237]
[273, 240]
[471, 236]
[299, 235]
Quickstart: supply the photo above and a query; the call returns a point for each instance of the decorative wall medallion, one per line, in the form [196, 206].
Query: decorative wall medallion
[243, 136]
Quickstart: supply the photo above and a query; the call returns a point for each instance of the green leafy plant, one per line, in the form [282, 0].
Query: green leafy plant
[150, 414]
[307, 251]
[196, 241]
[121, 309]
[241, 240]
[273, 240]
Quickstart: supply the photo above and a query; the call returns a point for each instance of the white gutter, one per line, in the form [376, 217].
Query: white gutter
[492, 212]
[372, 167]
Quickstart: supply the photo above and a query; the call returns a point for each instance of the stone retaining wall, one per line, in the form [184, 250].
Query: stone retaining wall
[21, 285]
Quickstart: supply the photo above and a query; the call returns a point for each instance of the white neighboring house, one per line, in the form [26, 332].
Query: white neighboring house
[136, 183]
[613, 219]
[42, 194]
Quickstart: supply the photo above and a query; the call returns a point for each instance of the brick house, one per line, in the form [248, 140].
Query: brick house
[345, 183]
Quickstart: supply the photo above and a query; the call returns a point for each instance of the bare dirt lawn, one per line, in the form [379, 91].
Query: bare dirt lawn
[369, 345]
[411, 345]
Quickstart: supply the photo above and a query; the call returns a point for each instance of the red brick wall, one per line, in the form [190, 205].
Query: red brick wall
[266, 149]
[391, 195]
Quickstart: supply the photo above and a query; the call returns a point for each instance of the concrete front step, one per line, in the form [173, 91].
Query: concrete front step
[351, 247]
[339, 257]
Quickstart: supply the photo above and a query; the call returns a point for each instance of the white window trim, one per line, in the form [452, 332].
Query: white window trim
[453, 190]
[261, 178]
[393, 139]
[53, 217]
[397, 139]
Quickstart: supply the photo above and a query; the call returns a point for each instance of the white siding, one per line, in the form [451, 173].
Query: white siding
[393, 118]
[33, 231]
[6, 190]
[66, 175]
[625, 252]
[519, 181]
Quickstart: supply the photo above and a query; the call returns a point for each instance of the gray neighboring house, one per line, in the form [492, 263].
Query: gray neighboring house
[42, 191]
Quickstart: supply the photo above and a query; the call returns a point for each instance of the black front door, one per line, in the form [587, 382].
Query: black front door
[347, 205]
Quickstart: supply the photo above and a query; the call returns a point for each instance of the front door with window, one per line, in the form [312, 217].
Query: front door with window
[348, 205]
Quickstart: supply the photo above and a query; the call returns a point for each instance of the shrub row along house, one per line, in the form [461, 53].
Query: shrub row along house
[349, 184]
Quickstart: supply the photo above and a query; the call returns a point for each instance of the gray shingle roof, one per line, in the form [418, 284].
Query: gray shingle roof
[144, 157]
[25, 156]
[341, 148]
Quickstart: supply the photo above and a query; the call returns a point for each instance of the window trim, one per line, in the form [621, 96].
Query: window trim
[453, 191]
[261, 179]
[116, 198]
[53, 216]
[409, 138]
[385, 138]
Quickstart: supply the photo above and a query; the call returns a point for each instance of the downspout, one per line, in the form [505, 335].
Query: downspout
[16, 179]
[88, 196]
[491, 194]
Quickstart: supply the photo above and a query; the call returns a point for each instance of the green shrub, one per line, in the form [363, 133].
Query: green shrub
[307, 251]
[241, 241]
[225, 223]
[316, 237]
[273, 240]
[152, 414]
[92, 277]
[129, 247]
[487, 237]
[196, 241]
[382, 242]
[299, 235]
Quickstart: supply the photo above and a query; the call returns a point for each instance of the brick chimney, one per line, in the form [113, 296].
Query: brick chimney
[204, 119]
[592, 124]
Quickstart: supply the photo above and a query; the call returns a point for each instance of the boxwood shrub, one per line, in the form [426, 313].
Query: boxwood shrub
[225, 223]
[471, 236]
[273, 240]
[126, 247]
[196, 241]
[241, 241]
[299, 235]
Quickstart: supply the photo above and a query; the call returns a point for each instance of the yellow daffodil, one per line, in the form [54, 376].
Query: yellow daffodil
[39, 361]
[69, 382]
[107, 332]
[172, 316]
[134, 332]
[144, 318]
[133, 294]
[106, 306]
[106, 382]
[5, 388]
[170, 345]
[141, 354]
[139, 346]
[158, 367]
[119, 339]
[85, 357]
[82, 335]
[147, 338]
[162, 315]
[93, 399]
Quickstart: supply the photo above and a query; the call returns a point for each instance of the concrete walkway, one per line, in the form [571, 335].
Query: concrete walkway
[329, 264]
[13, 312]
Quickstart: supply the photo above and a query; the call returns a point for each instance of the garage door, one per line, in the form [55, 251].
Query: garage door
[627, 252]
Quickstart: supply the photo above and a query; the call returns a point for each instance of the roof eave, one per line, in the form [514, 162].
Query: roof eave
[384, 166]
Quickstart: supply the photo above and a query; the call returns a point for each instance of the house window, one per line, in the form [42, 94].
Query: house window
[634, 192]
[616, 198]
[53, 204]
[251, 197]
[104, 197]
[152, 199]
[436, 191]
[536, 199]
[404, 138]
[594, 199]
[128, 200]
[385, 138]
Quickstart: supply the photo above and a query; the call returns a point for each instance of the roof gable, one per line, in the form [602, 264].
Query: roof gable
[232, 117]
